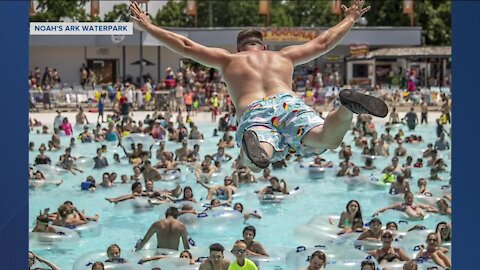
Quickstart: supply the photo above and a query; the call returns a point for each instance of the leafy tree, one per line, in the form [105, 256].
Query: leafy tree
[119, 13]
[54, 10]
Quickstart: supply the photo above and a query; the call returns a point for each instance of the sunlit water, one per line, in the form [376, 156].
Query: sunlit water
[277, 230]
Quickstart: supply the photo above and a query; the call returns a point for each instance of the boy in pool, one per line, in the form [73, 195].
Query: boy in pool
[272, 120]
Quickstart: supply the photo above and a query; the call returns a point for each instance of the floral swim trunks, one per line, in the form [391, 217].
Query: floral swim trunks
[282, 121]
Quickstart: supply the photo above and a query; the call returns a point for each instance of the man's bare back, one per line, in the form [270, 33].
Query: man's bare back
[254, 75]
[168, 232]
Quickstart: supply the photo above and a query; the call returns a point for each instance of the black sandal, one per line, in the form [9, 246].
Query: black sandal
[253, 150]
[363, 104]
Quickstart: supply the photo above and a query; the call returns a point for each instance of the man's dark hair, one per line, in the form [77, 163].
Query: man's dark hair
[250, 228]
[248, 34]
[172, 212]
[135, 185]
[216, 247]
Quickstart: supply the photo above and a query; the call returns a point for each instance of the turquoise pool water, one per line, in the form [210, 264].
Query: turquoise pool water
[277, 230]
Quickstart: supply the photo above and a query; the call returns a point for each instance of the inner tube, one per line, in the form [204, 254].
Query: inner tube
[278, 197]
[355, 180]
[214, 217]
[85, 163]
[49, 169]
[377, 183]
[81, 127]
[37, 183]
[366, 245]
[325, 223]
[64, 236]
[337, 257]
[90, 229]
[421, 265]
[146, 140]
[309, 234]
[85, 262]
[314, 172]
[171, 175]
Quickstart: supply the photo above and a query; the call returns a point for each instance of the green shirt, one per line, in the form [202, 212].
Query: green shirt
[248, 265]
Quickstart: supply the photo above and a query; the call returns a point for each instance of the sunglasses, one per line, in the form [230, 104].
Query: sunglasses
[387, 236]
[432, 239]
[238, 251]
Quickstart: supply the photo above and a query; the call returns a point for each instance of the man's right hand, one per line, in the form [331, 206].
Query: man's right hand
[140, 18]
[355, 10]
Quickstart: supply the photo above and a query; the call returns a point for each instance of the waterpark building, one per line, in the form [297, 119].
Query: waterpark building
[365, 56]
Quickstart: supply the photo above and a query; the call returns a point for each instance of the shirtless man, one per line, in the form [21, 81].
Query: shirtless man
[260, 86]
[226, 191]
[181, 153]
[81, 118]
[216, 260]
[254, 248]
[168, 231]
[149, 172]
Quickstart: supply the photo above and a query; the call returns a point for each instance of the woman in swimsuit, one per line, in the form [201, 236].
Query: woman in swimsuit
[387, 253]
[275, 186]
[413, 210]
[434, 252]
[352, 215]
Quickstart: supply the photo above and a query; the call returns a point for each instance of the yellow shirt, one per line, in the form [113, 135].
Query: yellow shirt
[248, 265]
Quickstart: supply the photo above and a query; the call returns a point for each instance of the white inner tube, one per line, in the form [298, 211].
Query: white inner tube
[85, 262]
[64, 236]
[90, 229]
[85, 163]
[146, 140]
[171, 175]
[36, 183]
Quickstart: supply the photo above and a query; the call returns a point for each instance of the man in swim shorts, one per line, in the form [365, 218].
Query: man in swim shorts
[272, 120]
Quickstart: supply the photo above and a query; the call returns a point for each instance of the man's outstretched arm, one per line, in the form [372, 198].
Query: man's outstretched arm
[212, 57]
[327, 40]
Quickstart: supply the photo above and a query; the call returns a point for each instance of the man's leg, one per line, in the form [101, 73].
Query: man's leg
[331, 133]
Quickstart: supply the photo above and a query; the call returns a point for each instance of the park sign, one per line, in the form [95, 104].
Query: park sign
[358, 50]
[288, 35]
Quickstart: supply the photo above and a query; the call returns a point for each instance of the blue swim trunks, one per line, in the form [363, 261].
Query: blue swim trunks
[282, 121]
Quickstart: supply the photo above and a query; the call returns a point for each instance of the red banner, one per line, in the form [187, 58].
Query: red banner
[408, 6]
[336, 7]
[94, 7]
[32, 8]
[264, 7]
[192, 7]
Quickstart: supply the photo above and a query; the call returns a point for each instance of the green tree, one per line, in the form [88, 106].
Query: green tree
[54, 10]
[119, 13]
[434, 16]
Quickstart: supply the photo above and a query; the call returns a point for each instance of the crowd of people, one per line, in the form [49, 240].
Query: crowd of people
[368, 139]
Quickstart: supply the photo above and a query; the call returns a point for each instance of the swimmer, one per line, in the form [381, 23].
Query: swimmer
[204, 173]
[387, 253]
[266, 175]
[33, 258]
[367, 265]
[42, 221]
[216, 259]
[239, 250]
[248, 71]
[374, 232]
[352, 215]
[254, 248]
[81, 118]
[239, 207]
[400, 186]
[114, 253]
[100, 161]
[149, 172]
[221, 156]
[226, 191]
[317, 261]
[98, 266]
[168, 232]
[318, 163]
[444, 232]
[413, 210]
[275, 186]
[181, 154]
[422, 187]
[136, 192]
[244, 176]
[434, 252]
[369, 164]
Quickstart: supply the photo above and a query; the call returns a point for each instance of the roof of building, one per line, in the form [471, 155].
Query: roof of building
[439, 51]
